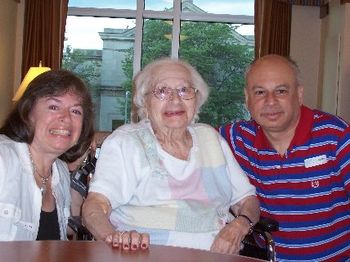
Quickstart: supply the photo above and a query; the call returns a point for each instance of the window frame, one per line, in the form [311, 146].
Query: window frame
[176, 16]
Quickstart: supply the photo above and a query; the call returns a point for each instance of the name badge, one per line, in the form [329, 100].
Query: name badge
[315, 161]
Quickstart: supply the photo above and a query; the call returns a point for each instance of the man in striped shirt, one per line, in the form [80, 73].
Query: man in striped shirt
[299, 161]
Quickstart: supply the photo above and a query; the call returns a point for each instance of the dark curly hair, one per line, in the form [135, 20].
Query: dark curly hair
[18, 127]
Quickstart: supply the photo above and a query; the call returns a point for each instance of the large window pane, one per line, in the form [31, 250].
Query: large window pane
[101, 50]
[233, 7]
[157, 5]
[156, 40]
[97, 53]
[119, 4]
[221, 55]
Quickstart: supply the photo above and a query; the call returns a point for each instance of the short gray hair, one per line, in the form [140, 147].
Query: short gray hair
[146, 79]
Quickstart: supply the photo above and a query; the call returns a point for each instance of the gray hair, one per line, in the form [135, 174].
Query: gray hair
[290, 62]
[147, 78]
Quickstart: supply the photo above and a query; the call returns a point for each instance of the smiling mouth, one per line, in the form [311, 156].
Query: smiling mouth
[60, 132]
[272, 115]
[176, 113]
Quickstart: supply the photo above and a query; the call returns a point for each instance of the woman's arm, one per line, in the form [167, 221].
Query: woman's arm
[248, 208]
[229, 239]
[96, 211]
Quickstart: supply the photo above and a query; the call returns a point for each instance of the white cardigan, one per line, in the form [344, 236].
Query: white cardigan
[20, 197]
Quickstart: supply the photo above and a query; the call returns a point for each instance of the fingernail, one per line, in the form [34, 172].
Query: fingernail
[126, 246]
[134, 246]
[143, 245]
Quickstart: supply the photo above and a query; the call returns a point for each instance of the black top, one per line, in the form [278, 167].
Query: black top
[49, 228]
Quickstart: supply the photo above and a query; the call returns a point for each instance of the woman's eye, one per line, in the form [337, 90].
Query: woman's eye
[77, 111]
[184, 89]
[53, 107]
[162, 90]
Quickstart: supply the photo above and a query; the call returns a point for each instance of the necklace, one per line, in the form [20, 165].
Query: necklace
[43, 179]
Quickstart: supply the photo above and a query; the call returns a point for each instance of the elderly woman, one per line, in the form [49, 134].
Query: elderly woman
[167, 180]
[52, 120]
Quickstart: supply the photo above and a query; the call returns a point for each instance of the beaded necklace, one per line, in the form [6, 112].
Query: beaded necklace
[43, 179]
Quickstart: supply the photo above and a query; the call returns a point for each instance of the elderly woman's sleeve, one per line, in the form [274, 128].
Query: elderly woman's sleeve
[117, 168]
[241, 186]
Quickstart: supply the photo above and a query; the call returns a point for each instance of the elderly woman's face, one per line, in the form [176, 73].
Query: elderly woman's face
[57, 123]
[165, 107]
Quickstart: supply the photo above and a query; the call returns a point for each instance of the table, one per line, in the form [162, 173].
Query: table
[93, 251]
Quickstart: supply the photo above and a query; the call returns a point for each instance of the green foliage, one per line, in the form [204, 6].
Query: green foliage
[213, 50]
[82, 63]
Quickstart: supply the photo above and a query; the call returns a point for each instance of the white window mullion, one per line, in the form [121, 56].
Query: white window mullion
[175, 43]
[138, 37]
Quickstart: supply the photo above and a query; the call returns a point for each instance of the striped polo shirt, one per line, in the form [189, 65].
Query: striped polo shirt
[307, 190]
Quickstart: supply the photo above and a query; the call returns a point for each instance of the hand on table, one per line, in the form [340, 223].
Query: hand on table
[229, 239]
[128, 240]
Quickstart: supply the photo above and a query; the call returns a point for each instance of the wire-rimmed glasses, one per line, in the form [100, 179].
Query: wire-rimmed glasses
[164, 92]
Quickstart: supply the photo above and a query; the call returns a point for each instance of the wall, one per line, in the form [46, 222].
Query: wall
[336, 66]
[343, 108]
[321, 47]
[8, 28]
[306, 49]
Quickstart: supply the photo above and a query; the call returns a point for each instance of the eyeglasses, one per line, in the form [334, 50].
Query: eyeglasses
[163, 92]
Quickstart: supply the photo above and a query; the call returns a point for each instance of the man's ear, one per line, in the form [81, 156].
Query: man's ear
[246, 96]
[300, 94]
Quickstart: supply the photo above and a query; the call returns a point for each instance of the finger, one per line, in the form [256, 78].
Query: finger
[220, 246]
[234, 249]
[144, 241]
[115, 239]
[125, 240]
[109, 239]
[135, 240]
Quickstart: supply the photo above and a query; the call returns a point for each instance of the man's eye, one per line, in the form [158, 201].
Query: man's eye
[259, 92]
[281, 91]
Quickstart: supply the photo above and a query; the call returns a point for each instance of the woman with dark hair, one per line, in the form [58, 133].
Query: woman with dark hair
[51, 124]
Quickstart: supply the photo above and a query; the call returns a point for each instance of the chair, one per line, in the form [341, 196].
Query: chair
[259, 243]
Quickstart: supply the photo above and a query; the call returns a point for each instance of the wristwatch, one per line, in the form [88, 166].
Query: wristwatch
[251, 224]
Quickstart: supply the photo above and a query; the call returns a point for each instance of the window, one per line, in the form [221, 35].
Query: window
[107, 42]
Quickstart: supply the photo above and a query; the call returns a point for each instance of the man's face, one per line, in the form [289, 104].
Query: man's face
[273, 96]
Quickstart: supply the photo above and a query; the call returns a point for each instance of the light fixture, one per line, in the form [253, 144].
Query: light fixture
[32, 73]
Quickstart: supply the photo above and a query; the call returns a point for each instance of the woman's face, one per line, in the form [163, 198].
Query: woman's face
[57, 123]
[172, 112]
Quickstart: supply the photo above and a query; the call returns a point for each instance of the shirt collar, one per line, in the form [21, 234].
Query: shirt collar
[302, 132]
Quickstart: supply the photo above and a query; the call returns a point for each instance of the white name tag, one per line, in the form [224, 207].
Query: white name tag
[315, 161]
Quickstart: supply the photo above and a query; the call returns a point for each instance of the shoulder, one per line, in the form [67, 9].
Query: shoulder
[9, 148]
[240, 128]
[126, 132]
[201, 127]
[128, 138]
[327, 120]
